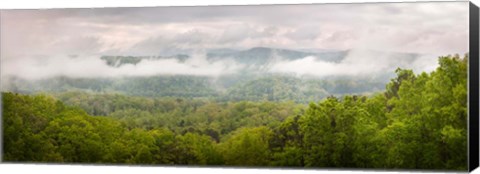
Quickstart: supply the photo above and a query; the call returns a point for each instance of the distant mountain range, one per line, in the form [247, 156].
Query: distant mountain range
[263, 56]
[254, 56]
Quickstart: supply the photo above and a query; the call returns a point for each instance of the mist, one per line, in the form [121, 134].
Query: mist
[94, 67]
[357, 63]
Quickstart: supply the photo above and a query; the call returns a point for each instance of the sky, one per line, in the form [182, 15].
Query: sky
[44, 36]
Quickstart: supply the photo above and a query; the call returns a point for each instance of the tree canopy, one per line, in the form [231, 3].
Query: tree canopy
[418, 122]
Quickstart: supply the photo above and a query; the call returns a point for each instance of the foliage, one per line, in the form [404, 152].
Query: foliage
[418, 122]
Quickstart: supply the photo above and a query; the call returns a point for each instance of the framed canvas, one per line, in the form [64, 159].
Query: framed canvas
[359, 86]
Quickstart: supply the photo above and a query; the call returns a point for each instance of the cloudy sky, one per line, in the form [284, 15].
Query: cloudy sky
[408, 27]
[431, 28]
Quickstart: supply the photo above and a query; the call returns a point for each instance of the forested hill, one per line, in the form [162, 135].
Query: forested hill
[419, 121]
[226, 88]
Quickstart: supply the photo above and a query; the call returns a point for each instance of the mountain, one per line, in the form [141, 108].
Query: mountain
[261, 58]
[117, 61]
[256, 57]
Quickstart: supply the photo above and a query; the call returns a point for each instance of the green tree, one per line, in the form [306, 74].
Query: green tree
[247, 147]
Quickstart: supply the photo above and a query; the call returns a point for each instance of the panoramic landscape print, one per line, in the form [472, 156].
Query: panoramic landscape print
[372, 85]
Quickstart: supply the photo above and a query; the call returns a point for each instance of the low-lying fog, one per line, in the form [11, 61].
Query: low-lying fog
[354, 63]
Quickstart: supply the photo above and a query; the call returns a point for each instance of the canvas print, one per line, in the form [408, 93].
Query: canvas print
[367, 85]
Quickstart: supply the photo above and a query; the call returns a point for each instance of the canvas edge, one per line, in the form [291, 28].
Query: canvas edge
[1, 81]
[473, 122]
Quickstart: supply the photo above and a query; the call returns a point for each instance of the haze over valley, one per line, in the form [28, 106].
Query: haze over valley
[257, 74]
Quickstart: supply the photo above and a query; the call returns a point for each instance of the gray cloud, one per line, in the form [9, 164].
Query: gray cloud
[304, 33]
[192, 37]
[236, 33]
[433, 28]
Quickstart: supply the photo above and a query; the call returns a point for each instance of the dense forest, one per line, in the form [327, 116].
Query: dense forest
[251, 87]
[419, 121]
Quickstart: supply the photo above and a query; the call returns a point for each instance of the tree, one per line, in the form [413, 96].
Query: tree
[247, 147]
